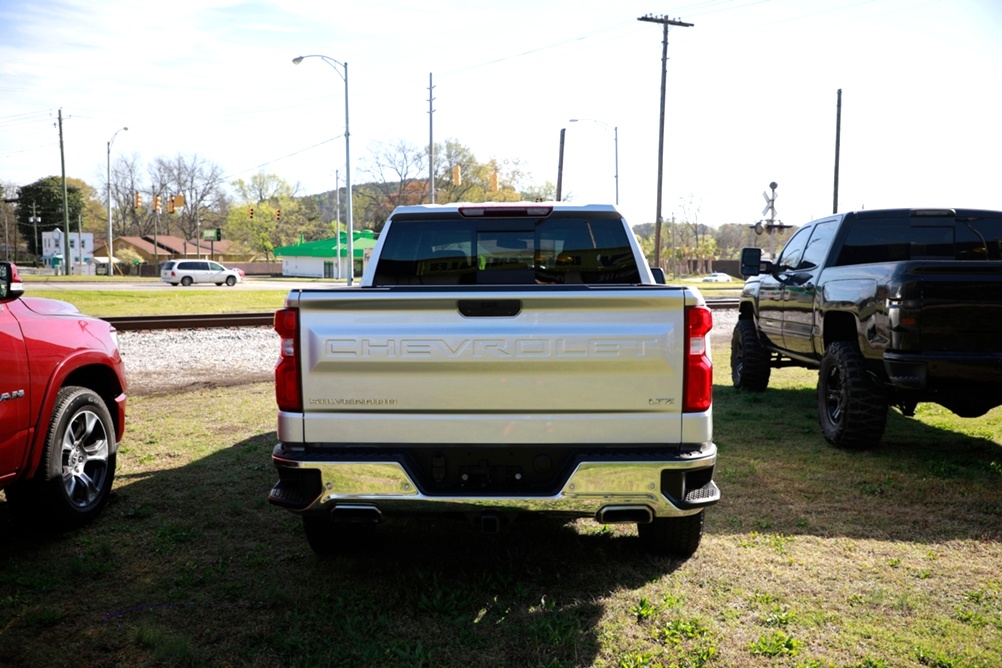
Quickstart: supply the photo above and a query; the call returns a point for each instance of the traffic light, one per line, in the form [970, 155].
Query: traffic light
[457, 177]
[156, 203]
[170, 204]
[138, 201]
[250, 212]
[278, 214]
[494, 182]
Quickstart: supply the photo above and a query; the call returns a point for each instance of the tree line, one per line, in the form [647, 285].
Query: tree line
[265, 212]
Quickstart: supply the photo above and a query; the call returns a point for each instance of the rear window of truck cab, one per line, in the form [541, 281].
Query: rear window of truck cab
[562, 248]
[900, 236]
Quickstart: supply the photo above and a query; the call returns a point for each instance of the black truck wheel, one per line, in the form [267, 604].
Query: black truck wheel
[852, 407]
[672, 536]
[749, 358]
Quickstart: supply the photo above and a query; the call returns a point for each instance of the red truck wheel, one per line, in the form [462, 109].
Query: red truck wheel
[78, 464]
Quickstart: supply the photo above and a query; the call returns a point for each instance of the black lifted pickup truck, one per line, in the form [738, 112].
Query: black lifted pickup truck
[893, 307]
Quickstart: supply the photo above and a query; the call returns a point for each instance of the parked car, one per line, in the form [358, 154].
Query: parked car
[186, 272]
[62, 407]
[718, 277]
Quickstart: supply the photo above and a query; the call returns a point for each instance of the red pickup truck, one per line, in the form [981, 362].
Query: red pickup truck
[62, 407]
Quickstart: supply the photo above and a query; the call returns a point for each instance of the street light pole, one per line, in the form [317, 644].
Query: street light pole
[615, 141]
[111, 257]
[343, 73]
[66, 202]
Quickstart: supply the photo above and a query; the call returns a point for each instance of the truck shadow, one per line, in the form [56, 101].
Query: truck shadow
[197, 553]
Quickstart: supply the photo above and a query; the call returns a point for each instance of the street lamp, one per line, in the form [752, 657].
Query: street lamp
[615, 139]
[111, 257]
[343, 73]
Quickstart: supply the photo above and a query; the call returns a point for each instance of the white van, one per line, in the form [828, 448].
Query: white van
[186, 272]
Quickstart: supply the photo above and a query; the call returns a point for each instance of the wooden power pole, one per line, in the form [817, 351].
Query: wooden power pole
[665, 24]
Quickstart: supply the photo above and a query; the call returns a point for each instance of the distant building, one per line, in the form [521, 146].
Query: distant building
[81, 250]
[327, 258]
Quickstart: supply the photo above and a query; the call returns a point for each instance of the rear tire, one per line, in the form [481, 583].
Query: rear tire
[749, 358]
[852, 407]
[328, 538]
[186, 281]
[672, 536]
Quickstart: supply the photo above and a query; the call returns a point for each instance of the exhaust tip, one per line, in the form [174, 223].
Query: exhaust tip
[624, 515]
[356, 514]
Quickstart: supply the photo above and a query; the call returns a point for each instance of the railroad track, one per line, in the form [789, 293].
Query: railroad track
[260, 319]
[131, 323]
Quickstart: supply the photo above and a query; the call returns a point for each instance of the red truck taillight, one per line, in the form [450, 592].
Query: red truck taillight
[698, 393]
[287, 392]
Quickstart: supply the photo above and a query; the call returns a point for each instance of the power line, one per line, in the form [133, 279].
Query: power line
[271, 162]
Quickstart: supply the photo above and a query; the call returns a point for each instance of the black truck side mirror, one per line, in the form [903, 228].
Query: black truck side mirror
[752, 264]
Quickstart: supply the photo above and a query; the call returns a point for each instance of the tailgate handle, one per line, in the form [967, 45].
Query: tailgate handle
[490, 308]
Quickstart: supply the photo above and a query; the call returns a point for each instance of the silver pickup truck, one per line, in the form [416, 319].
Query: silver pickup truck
[498, 360]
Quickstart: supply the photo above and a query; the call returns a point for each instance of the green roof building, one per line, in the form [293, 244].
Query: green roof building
[327, 258]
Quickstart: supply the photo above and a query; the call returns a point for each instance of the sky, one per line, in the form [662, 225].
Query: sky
[751, 95]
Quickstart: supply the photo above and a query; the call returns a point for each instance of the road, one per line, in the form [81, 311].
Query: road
[251, 283]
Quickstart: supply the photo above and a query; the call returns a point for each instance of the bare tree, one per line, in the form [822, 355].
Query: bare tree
[396, 178]
[200, 183]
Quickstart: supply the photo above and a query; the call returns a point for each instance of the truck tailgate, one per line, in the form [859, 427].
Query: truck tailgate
[501, 366]
[959, 306]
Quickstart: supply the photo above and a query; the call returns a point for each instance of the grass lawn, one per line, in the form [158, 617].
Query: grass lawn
[108, 303]
[815, 557]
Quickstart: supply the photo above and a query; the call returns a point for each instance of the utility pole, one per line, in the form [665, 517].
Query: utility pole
[35, 220]
[838, 137]
[156, 240]
[665, 23]
[560, 164]
[431, 143]
[66, 201]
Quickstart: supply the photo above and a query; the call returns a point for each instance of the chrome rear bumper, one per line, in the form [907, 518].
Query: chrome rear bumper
[614, 490]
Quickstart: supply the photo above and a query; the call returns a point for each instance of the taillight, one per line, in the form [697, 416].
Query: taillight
[287, 393]
[698, 380]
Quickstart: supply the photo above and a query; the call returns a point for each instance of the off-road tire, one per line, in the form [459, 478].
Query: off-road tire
[672, 536]
[852, 407]
[749, 358]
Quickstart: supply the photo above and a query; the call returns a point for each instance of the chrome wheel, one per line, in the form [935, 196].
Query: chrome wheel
[85, 451]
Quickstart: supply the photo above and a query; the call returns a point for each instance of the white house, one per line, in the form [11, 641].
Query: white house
[81, 250]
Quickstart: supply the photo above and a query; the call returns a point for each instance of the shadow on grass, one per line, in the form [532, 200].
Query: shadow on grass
[192, 566]
[921, 483]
